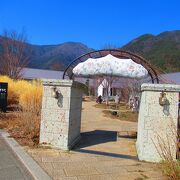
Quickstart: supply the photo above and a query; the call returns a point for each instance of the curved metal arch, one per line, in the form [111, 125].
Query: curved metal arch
[117, 53]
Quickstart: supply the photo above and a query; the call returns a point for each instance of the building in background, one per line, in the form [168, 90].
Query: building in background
[30, 74]
[94, 88]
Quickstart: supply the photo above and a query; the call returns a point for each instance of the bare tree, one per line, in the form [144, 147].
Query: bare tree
[135, 86]
[14, 54]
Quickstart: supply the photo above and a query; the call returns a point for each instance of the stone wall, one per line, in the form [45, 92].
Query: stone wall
[61, 113]
[157, 124]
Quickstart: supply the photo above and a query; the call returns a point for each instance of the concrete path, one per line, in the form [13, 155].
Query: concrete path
[10, 167]
[100, 155]
[93, 118]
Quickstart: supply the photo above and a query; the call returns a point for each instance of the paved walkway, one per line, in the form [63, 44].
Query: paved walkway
[10, 167]
[99, 155]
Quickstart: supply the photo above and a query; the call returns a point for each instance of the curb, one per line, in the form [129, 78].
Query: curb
[35, 170]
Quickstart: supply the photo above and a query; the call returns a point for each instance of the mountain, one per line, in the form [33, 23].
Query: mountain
[162, 50]
[56, 57]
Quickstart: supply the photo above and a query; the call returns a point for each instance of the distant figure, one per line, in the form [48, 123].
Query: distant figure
[99, 99]
[133, 107]
[135, 104]
[131, 102]
[117, 100]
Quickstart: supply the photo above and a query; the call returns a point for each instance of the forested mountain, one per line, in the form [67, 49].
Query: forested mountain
[162, 50]
[56, 57]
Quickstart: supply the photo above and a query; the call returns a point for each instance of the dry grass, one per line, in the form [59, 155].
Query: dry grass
[128, 116]
[24, 122]
[111, 105]
[23, 93]
[165, 147]
[123, 116]
[31, 99]
[24, 127]
[171, 169]
[118, 112]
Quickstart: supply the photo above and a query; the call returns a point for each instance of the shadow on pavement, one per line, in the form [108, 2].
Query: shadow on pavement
[98, 137]
[122, 156]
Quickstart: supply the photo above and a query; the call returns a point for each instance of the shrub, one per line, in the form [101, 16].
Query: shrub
[171, 169]
[31, 98]
[170, 166]
[28, 125]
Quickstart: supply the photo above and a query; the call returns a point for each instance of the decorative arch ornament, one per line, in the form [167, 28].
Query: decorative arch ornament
[153, 73]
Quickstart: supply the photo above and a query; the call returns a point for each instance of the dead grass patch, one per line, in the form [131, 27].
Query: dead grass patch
[23, 126]
[120, 112]
[123, 116]
[24, 106]
[165, 147]
[111, 105]
[171, 169]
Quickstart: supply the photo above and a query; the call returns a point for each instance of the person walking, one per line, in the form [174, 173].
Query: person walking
[99, 99]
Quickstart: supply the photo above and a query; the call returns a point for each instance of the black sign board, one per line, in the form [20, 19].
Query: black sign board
[3, 96]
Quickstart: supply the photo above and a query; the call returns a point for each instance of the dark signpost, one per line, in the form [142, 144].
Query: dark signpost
[3, 96]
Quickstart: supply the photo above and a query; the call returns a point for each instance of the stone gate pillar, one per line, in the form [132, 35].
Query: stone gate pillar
[158, 121]
[61, 113]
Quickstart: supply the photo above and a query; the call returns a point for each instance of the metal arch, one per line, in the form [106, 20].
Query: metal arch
[117, 53]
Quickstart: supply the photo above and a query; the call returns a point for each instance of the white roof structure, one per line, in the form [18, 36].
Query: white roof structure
[110, 65]
[29, 73]
[172, 78]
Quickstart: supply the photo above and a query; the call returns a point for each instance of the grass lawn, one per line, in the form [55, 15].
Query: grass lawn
[121, 112]
[111, 105]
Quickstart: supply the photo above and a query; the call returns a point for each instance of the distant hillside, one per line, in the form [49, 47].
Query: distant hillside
[162, 50]
[56, 56]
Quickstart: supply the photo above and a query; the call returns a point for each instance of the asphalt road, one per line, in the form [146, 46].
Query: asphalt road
[10, 166]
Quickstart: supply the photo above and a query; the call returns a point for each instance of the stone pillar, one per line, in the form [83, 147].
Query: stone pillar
[61, 113]
[157, 122]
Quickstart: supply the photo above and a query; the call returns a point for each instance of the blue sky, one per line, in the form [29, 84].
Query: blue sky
[95, 23]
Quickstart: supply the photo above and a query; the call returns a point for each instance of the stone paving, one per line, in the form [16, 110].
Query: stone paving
[99, 155]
